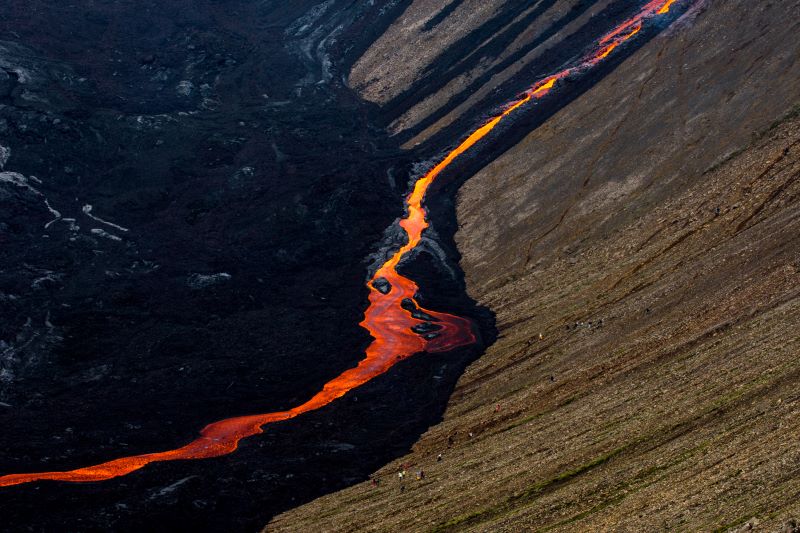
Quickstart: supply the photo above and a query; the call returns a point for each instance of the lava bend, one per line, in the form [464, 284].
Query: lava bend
[392, 311]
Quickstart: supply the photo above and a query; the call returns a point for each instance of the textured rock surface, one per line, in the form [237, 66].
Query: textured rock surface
[649, 233]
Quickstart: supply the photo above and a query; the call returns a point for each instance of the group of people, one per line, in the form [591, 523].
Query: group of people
[419, 474]
[403, 474]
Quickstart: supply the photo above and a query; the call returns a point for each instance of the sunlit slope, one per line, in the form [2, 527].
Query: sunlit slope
[661, 207]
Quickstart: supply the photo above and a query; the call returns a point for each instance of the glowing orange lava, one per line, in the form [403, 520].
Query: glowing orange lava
[665, 8]
[386, 320]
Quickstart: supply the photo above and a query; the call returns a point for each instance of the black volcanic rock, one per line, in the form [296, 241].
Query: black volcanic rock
[383, 285]
[425, 327]
[6, 83]
[408, 304]
[422, 315]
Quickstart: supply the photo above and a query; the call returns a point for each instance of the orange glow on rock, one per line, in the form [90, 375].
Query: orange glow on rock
[606, 50]
[665, 8]
[385, 319]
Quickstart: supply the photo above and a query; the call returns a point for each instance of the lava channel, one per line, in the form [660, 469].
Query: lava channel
[389, 317]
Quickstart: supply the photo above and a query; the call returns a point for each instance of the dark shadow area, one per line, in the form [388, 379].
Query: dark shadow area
[443, 14]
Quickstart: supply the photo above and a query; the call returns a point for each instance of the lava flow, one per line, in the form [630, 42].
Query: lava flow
[392, 311]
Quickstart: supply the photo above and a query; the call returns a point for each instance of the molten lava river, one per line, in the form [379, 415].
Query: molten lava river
[392, 311]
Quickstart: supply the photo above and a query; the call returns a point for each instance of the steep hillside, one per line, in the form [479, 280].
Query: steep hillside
[641, 252]
[437, 64]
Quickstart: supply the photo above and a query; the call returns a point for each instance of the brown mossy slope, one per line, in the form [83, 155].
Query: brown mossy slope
[650, 232]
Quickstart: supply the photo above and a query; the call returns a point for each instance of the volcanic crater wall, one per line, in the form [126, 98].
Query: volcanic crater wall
[640, 250]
